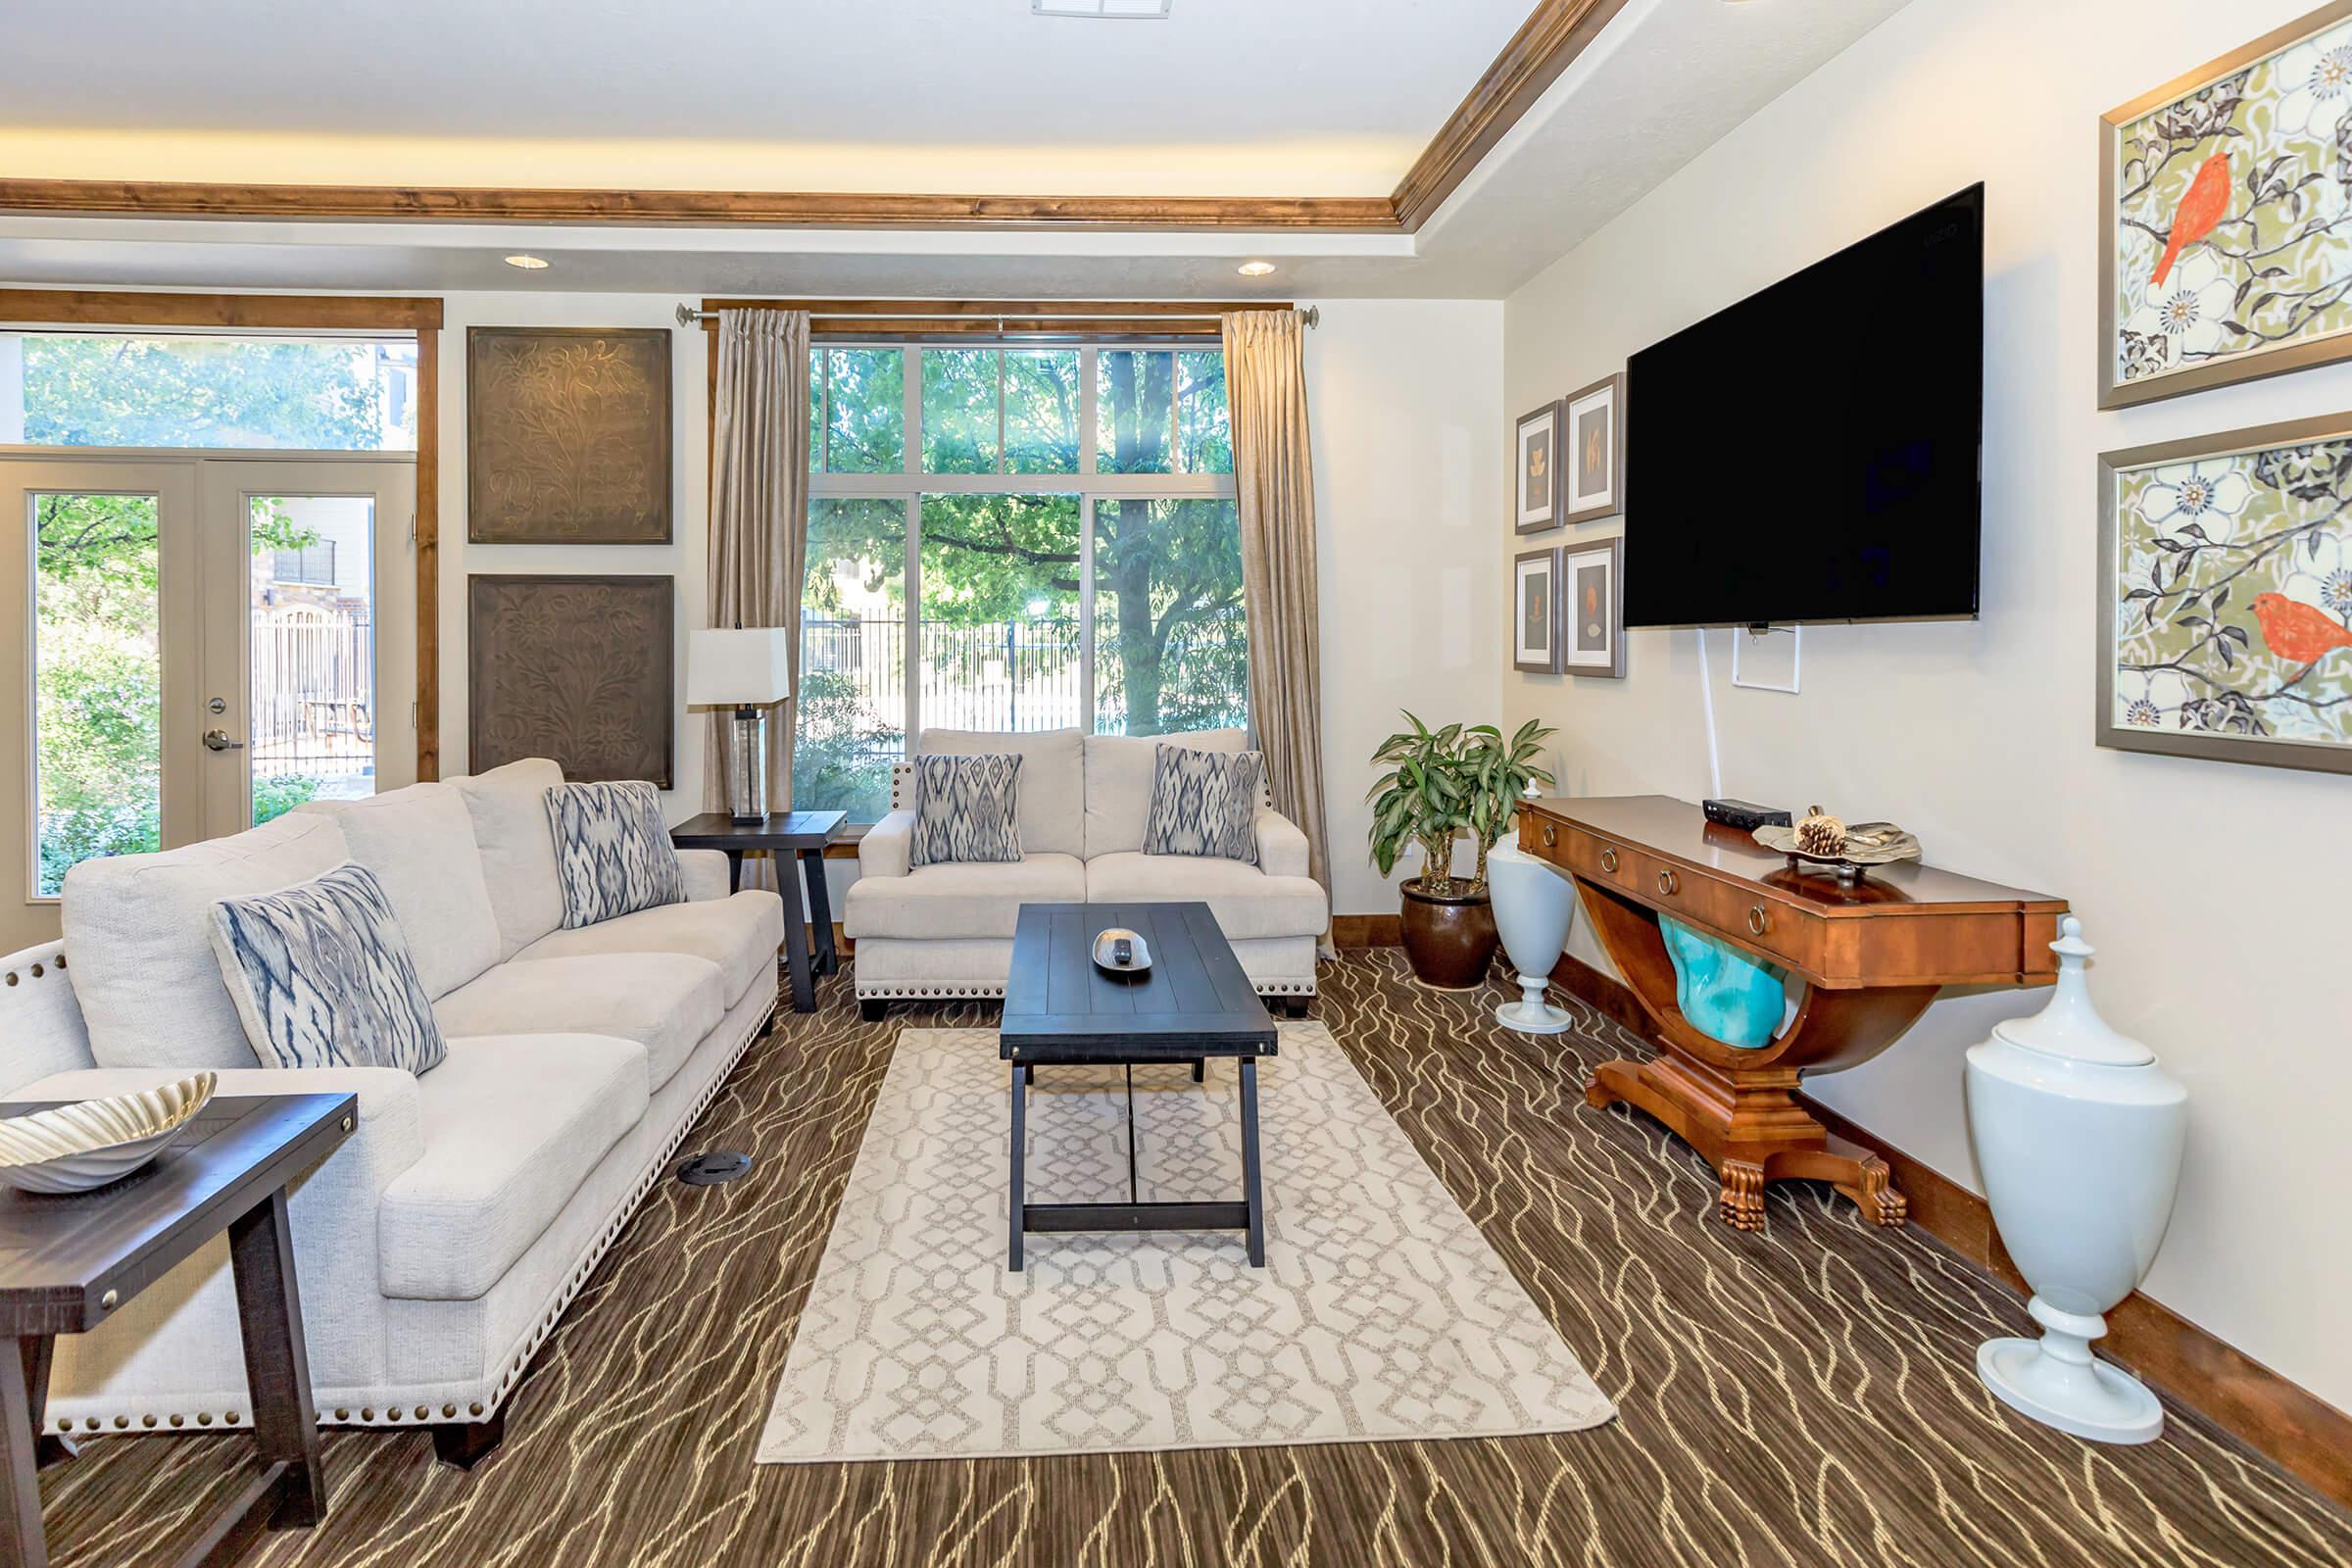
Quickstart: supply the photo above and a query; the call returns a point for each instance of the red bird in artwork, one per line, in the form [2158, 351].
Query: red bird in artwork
[2208, 199]
[2297, 632]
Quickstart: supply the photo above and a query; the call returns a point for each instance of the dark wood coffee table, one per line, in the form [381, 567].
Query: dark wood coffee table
[67, 1263]
[783, 835]
[1193, 1003]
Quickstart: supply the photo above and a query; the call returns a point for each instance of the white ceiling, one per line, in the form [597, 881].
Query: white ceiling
[1224, 97]
[1665, 80]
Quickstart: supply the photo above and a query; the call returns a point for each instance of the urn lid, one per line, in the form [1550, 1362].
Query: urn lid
[2070, 1026]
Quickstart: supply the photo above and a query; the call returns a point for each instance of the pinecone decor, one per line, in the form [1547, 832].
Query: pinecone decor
[1821, 834]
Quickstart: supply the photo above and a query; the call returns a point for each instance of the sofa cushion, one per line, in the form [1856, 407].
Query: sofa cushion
[740, 934]
[1204, 804]
[612, 851]
[1053, 780]
[1247, 902]
[1118, 782]
[665, 1001]
[418, 842]
[959, 901]
[322, 976]
[139, 930]
[509, 807]
[512, 1125]
[964, 809]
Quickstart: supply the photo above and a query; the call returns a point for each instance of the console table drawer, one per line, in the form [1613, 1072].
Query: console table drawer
[1778, 927]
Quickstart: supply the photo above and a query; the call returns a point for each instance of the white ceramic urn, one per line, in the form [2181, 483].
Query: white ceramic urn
[2078, 1135]
[1533, 905]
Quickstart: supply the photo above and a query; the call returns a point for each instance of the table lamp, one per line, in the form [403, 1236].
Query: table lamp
[750, 671]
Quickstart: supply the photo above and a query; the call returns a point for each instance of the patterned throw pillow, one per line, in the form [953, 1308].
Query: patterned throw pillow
[1204, 804]
[966, 808]
[612, 851]
[322, 978]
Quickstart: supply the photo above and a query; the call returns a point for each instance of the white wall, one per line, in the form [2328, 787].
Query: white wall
[1402, 397]
[2216, 892]
[683, 558]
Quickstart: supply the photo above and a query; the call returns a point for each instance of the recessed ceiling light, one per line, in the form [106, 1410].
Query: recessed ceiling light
[1256, 268]
[1111, 10]
[529, 263]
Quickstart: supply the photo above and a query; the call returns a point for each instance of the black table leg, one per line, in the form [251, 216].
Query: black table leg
[21, 1542]
[1251, 1197]
[734, 872]
[277, 1366]
[1020, 1136]
[821, 910]
[796, 959]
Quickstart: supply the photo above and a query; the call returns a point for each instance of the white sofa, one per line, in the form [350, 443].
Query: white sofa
[437, 1246]
[945, 931]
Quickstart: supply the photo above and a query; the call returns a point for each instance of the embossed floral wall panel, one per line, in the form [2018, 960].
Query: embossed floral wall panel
[2231, 243]
[577, 668]
[567, 435]
[2227, 586]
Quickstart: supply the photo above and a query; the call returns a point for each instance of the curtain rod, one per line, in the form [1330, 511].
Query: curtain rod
[1312, 316]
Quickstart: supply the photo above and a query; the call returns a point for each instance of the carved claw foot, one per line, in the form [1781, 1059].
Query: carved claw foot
[1874, 1192]
[1741, 1202]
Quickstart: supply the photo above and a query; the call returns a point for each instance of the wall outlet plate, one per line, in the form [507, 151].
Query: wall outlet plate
[1765, 659]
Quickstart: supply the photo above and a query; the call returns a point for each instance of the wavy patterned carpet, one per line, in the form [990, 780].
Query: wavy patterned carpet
[1803, 1396]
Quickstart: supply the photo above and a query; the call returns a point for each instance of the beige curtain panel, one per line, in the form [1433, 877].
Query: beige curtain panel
[1265, 380]
[759, 514]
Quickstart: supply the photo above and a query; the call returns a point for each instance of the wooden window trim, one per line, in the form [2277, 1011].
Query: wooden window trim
[304, 313]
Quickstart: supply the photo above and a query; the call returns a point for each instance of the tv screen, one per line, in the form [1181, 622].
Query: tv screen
[1810, 454]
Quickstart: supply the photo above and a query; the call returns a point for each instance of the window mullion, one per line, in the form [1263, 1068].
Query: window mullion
[1086, 610]
[1175, 419]
[1088, 457]
[1004, 454]
[913, 620]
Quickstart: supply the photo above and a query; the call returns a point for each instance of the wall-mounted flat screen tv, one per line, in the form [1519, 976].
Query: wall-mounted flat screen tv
[1811, 453]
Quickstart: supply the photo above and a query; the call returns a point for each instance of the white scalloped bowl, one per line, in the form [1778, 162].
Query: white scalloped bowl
[72, 1148]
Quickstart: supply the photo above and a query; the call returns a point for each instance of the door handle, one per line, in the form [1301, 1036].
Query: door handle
[217, 740]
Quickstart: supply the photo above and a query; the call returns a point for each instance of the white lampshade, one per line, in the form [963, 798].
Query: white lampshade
[738, 669]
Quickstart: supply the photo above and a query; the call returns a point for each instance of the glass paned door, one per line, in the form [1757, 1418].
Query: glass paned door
[309, 674]
[97, 588]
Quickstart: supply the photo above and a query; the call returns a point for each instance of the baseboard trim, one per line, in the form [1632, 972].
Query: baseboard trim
[1367, 931]
[2285, 1421]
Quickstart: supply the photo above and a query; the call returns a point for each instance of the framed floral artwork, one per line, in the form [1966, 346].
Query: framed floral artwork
[1536, 612]
[573, 667]
[1593, 422]
[567, 435]
[2226, 596]
[2225, 218]
[1593, 636]
[1537, 487]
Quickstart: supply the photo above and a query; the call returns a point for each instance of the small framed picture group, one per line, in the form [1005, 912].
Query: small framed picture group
[1565, 611]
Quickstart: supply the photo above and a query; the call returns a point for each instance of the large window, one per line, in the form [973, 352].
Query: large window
[1061, 520]
[58, 389]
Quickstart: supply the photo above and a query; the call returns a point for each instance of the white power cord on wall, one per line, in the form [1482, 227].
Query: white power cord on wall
[1706, 702]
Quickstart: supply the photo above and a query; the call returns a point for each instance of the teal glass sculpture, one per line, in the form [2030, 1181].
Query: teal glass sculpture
[1725, 994]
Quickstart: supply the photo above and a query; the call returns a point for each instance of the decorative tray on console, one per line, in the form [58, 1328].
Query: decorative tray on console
[1867, 843]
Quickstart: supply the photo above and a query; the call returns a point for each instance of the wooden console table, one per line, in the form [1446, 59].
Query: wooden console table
[1873, 954]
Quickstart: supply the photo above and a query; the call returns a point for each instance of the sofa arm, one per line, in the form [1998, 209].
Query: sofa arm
[888, 848]
[706, 874]
[1281, 846]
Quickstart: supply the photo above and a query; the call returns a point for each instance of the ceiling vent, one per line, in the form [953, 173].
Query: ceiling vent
[1105, 10]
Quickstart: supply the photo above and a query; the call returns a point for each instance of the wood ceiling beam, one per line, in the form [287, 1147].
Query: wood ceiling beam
[1555, 34]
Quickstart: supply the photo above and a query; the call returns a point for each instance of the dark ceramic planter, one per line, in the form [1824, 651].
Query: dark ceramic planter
[1449, 942]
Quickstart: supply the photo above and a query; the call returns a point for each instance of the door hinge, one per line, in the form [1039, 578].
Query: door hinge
[415, 717]
[411, 531]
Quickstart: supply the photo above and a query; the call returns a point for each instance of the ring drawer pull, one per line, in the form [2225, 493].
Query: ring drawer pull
[1551, 835]
[1668, 882]
[1755, 920]
[1608, 859]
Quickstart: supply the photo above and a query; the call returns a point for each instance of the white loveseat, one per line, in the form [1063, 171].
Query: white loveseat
[943, 931]
[437, 1247]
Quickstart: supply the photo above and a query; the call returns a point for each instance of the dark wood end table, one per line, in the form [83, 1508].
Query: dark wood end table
[784, 835]
[70, 1262]
[1193, 1003]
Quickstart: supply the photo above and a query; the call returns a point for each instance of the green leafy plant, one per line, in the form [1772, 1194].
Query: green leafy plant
[1444, 782]
[1500, 773]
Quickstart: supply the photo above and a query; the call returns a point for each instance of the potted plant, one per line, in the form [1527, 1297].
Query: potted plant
[1442, 783]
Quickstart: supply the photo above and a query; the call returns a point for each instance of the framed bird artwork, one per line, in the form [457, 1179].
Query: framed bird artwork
[2226, 596]
[2225, 217]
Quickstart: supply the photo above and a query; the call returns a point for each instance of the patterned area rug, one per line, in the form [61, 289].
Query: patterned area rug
[1381, 1313]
